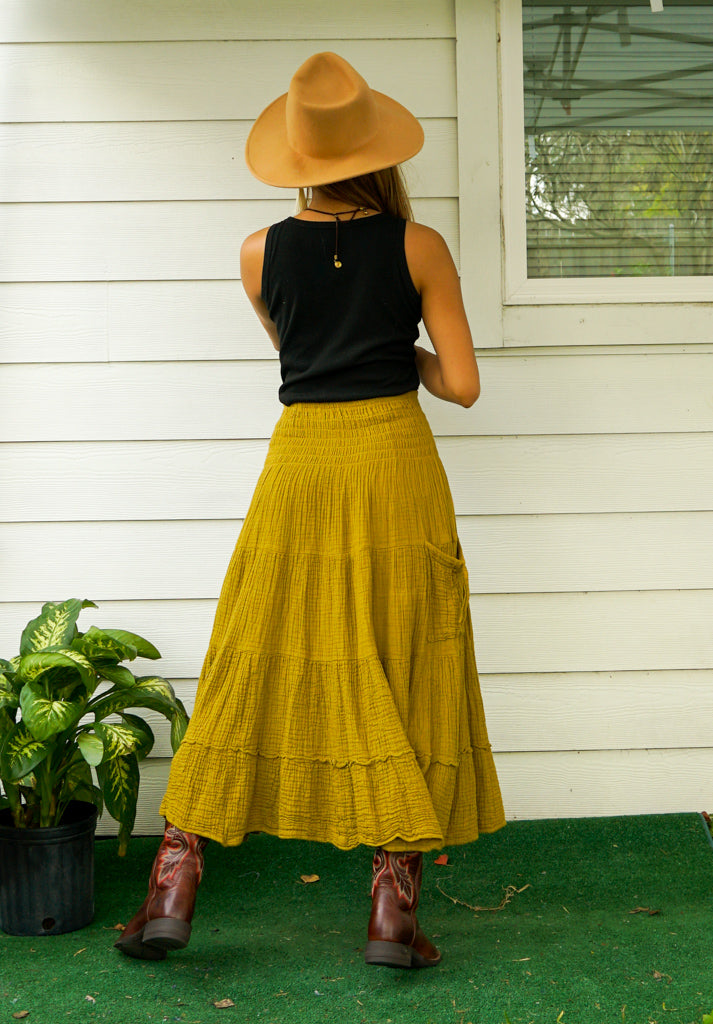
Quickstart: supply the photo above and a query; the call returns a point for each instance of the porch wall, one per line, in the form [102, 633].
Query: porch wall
[140, 391]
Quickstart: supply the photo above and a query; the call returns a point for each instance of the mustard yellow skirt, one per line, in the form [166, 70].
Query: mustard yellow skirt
[339, 699]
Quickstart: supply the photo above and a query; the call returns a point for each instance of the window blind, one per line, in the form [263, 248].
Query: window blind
[618, 138]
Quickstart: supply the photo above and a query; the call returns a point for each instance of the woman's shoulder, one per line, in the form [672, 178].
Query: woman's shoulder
[422, 235]
[254, 243]
[252, 257]
[252, 250]
[426, 252]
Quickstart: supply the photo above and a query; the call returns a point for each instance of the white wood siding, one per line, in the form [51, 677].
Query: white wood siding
[140, 391]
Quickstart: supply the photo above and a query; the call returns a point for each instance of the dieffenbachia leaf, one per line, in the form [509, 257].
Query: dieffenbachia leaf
[8, 696]
[119, 782]
[142, 730]
[98, 643]
[7, 721]
[123, 737]
[7, 667]
[91, 747]
[21, 753]
[54, 626]
[33, 666]
[179, 724]
[144, 648]
[118, 674]
[78, 784]
[152, 692]
[45, 716]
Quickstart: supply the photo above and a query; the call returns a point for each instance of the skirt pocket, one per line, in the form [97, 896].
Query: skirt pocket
[449, 593]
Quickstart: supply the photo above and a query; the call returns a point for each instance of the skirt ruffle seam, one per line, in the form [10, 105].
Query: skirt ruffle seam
[357, 762]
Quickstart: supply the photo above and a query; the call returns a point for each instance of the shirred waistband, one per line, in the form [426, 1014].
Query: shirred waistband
[366, 428]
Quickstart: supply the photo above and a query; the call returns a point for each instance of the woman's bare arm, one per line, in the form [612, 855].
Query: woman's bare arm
[452, 373]
[252, 255]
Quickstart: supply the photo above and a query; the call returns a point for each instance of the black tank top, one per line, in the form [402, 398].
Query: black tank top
[345, 333]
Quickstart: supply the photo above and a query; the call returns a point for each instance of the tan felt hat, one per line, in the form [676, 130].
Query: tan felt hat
[329, 126]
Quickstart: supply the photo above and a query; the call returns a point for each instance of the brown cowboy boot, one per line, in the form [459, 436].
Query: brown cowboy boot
[164, 920]
[395, 936]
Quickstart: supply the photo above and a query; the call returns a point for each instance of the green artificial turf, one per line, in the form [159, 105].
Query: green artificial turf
[574, 947]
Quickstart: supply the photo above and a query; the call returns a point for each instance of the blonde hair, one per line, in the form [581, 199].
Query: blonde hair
[384, 191]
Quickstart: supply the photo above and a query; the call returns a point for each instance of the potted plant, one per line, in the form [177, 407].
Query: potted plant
[69, 747]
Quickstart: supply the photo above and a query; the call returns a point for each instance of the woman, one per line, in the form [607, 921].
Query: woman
[339, 697]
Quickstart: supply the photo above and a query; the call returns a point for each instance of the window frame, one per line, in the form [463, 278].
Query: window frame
[519, 289]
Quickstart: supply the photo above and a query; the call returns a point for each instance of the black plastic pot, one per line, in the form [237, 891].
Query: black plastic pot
[47, 874]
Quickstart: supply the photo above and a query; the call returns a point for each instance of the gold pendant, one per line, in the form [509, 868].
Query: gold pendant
[337, 263]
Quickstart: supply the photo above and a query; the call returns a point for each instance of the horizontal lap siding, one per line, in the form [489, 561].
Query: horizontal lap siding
[72, 321]
[516, 634]
[151, 241]
[128, 320]
[488, 476]
[140, 390]
[520, 396]
[207, 80]
[39, 21]
[174, 160]
[505, 554]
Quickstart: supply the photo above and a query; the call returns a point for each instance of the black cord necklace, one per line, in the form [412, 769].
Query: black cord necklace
[342, 213]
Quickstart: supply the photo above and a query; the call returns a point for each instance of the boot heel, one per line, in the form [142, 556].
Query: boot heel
[135, 947]
[387, 954]
[167, 933]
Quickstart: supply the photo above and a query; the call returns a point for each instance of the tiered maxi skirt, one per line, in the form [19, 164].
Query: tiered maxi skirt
[339, 699]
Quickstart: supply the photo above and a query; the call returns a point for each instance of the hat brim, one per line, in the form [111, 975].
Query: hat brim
[271, 159]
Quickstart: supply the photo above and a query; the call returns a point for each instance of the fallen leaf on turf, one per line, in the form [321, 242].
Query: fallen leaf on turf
[90, 999]
[223, 1004]
[118, 927]
[308, 879]
[20, 1014]
[443, 859]
[645, 910]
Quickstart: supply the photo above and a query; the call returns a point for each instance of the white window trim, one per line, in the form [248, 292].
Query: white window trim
[479, 169]
[518, 288]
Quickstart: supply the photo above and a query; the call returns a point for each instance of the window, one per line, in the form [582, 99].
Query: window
[616, 150]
